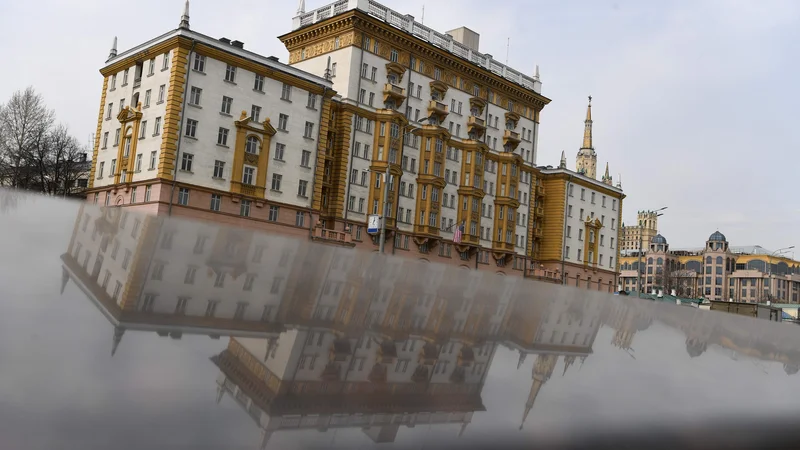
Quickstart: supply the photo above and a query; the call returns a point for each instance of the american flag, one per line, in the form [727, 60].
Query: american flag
[458, 233]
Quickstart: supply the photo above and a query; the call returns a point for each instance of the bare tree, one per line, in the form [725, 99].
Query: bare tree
[36, 154]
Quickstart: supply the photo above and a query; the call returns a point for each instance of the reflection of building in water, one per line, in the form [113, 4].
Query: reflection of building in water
[323, 336]
[626, 318]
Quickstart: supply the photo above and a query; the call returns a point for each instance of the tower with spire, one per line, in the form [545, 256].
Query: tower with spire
[586, 162]
[185, 17]
[607, 177]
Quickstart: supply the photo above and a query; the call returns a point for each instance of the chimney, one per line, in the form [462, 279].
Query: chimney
[237, 44]
[466, 37]
[113, 52]
[225, 40]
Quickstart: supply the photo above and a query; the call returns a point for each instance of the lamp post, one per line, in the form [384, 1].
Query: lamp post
[385, 208]
[639, 266]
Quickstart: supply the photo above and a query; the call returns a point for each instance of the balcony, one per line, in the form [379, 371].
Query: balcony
[539, 211]
[438, 109]
[476, 125]
[540, 191]
[248, 189]
[332, 237]
[537, 233]
[393, 93]
[251, 159]
[503, 246]
[137, 82]
[511, 137]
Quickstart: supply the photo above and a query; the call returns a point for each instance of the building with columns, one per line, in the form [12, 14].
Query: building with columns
[717, 271]
[200, 127]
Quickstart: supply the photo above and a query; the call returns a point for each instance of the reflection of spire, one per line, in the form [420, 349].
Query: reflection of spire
[563, 164]
[220, 393]
[521, 359]
[64, 279]
[265, 435]
[568, 361]
[534, 392]
[542, 371]
[118, 332]
[583, 359]
[463, 429]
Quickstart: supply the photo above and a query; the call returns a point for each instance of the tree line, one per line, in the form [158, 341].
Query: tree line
[36, 152]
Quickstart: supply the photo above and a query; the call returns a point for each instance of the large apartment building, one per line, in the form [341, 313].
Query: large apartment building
[375, 114]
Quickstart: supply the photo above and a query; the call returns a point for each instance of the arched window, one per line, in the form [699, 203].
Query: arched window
[719, 260]
[128, 140]
[708, 260]
[660, 261]
[649, 260]
[251, 146]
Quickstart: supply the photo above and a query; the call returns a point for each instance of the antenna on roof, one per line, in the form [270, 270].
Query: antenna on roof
[508, 49]
[423, 14]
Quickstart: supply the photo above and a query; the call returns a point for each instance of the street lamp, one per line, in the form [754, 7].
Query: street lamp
[385, 208]
[639, 266]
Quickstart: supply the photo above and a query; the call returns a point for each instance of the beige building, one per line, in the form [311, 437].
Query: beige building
[639, 236]
[715, 272]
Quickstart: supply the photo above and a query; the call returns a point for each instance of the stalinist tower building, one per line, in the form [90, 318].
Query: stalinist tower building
[586, 161]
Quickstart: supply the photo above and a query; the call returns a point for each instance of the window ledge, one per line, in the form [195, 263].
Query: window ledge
[222, 145]
[185, 171]
[150, 75]
[198, 72]
[159, 102]
[260, 91]
[164, 69]
[308, 138]
[276, 190]
[311, 108]
[192, 138]
[156, 134]
[305, 166]
[282, 130]
[278, 160]
[218, 178]
[229, 82]
[195, 106]
[286, 100]
[145, 106]
[225, 114]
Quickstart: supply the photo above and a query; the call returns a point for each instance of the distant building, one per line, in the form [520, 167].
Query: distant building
[640, 234]
[715, 272]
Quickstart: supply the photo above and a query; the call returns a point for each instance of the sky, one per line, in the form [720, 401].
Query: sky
[693, 101]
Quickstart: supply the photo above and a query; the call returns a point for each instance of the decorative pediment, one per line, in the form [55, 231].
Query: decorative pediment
[395, 69]
[593, 223]
[438, 86]
[247, 123]
[129, 114]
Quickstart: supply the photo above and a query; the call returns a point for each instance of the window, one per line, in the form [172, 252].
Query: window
[161, 91]
[244, 208]
[191, 127]
[113, 168]
[305, 159]
[186, 162]
[230, 73]
[286, 92]
[152, 160]
[113, 82]
[147, 94]
[222, 136]
[226, 105]
[165, 61]
[276, 181]
[364, 68]
[105, 139]
[138, 166]
[279, 149]
[255, 113]
[116, 137]
[199, 63]
[258, 84]
[157, 127]
[301, 188]
[299, 218]
[283, 122]
[100, 170]
[312, 101]
[142, 129]
[251, 145]
[309, 131]
[183, 196]
[125, 77]
[147, 190]
[216, 200]
[273, 213]
[248, 174]
[219, 168]
[374, 73]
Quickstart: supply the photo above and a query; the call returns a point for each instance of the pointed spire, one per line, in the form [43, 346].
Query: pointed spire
[619, 181]
[185, 17]
[521, 359]
[328, 72]
[607, 177]
[301, 8]
[563, 164]
[463, 429]
[265, 436]
[536, 74]
[568, 361]
[587, 130]
[113, 52]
